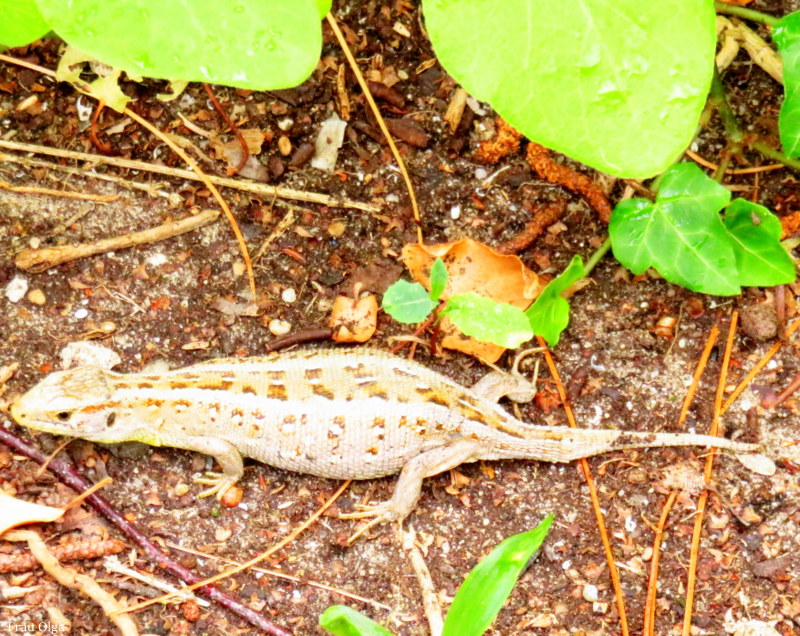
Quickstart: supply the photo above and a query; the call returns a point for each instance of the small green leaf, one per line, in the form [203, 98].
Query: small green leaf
[407, 302]
[681, 234]
[21, 23]
[486, 588]
[549, 315]
[487, 320]
[340, 620]
[438, 278]
[618, 85]
[256, 44]
[756, 232]
[787, 37]
[323, 6]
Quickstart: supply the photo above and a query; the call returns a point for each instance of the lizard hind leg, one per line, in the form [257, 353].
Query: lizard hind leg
[409, 484]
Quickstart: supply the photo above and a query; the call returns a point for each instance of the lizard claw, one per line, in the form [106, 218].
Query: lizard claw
[219, 482]
[379, 513]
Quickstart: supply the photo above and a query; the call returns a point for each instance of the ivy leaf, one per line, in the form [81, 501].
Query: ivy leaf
[760, 258]
[549, 315]
[487, 586]
[681, 234]
[407, 302]
[438, 278]
[341, 620]
[487, 320]
[787, 37]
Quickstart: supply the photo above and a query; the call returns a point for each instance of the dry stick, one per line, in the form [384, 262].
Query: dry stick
[39, 260]
[239, 184]
[100, 198]
[150, 188]
[601, 525]
[381, 124]
[85, 88]
[232, 126]
[256, 559]
[283, 575]
[68, 475]
[713, 166]
[430, 601]
[650, 603]
[703, 499]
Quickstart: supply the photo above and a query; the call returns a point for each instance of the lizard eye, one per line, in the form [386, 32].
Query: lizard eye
[110, 419]
[63, 416]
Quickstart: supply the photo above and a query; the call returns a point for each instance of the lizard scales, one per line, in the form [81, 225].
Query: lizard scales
[341, 414]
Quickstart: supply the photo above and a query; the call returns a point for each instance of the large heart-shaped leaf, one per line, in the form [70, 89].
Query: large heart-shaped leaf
[787, 36]
[258, 44]
[617, 85]
[20, 23]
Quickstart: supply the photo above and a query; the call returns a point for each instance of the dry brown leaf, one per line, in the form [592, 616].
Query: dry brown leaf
[354, 320]
[473, 266]
[17, 512]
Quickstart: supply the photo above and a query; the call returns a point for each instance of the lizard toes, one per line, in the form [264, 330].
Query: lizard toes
[219, 483]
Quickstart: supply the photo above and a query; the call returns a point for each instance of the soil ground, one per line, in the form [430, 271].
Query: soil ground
[172, 301]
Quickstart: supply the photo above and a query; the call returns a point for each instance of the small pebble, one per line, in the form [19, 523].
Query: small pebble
[279, 327]
[289, 295]
[239, 268]
[284, 145]
[285, 124]
[455, 212]
[181, 489]
[222, 534]
[590, 593]
[37, 297]
[81, 312]
[16, 289]
[157, 259]
[336, 229]
[481, 174]
[599, 608]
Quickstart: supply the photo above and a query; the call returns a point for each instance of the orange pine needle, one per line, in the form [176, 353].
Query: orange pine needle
[698, 372]
[598, 513]
[703, 499]
[650, 603]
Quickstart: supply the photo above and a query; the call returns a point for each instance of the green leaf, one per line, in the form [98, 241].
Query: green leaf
[407, 302]
[488, 320]
[756, 232]
[21, 23]
[257, 44]
[681, 234]
[616, 85]
[438, 278]
[787, 36]
[549, 315]
[486, 588]
[323, 7]
[340, 620]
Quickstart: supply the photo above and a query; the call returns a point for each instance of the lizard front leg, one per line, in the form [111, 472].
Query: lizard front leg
[409, 484]
[226, 455]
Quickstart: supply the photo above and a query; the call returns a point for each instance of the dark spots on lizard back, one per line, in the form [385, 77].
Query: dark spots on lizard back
[358, 371]
[248, 389]
[322, 391]
[312, 374]
[434, 398]
[222, 385]
[144, 385]
[277, 392]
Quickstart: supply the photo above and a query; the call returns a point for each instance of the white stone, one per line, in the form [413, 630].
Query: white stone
[16, 289]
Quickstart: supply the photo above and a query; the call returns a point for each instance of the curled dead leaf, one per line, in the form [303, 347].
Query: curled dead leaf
[354, 320]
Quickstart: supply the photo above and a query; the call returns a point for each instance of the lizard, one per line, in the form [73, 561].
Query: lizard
[339, 414]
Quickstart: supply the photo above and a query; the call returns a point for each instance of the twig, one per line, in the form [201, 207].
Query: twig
[113, 564]
[74, 580]
[301, 337]
[381, 124]
[84, 196]
[703, 499]
[226, 182]
[257, 559]
[39, 260]
[747, 14]
[598, 512]
[430, 601]
[713, 166]
[234, 128]
[283, 575]
[79, 483]
[701, 366]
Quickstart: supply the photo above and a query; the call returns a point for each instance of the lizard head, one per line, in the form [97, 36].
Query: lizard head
[72, 402]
